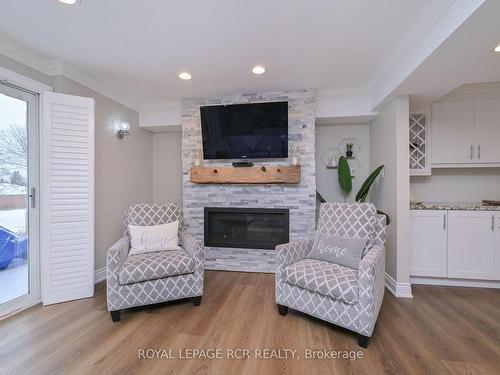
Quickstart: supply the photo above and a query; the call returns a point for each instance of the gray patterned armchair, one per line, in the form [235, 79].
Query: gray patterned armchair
[339, 295]
[154, 277]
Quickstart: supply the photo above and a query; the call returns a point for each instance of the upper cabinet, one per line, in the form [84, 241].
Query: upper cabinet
[487, 130]
[452, 132]
[466, 133]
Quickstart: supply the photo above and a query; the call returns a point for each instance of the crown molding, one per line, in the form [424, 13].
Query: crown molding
[11, 77]
[433, 25]
[26, 57]
[55, 67]
[86, 80]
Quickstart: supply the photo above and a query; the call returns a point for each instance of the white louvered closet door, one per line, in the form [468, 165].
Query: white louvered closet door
[67, 198]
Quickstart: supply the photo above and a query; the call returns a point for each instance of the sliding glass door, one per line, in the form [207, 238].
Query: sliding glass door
[19, 256]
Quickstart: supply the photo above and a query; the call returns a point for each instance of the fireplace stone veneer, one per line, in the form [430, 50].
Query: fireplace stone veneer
[299, 199]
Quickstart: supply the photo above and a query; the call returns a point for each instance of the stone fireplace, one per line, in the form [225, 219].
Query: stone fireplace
[298, 199]
[252, 228]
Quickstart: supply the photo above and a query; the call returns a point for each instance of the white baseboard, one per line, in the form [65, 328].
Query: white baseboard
[455, 282]
[99, 275]
[400, 290]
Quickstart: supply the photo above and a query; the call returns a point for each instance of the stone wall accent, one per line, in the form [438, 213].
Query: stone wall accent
[299, 199]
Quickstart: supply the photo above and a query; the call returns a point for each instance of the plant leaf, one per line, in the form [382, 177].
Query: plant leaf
[345, 178]
[365, 188]
[320, 197]
[387, 217]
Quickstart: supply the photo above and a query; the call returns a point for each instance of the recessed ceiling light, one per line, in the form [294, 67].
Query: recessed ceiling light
[70, 2]
[259, 69]
[497, 48]
[185, 75]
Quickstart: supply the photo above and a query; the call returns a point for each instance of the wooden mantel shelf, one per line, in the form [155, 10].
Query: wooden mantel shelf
[245, 175]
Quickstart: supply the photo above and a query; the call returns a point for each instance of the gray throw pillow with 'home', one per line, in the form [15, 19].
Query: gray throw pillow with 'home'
[343, 251]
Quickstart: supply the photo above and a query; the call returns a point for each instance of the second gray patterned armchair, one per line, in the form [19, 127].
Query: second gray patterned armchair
[151, 278]
[340, 295]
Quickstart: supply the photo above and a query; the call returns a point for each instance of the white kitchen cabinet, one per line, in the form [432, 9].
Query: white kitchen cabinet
[497, 245]
[471, 244]
[465, 133]
[487, 130]
[452, 132]
[428, 236]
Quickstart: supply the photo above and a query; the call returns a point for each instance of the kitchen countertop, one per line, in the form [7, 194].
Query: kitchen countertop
[464, 206]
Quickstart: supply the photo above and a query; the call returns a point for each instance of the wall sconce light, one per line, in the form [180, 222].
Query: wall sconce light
[122, 130]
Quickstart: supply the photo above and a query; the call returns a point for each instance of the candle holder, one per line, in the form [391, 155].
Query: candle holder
[295, 156]
[197, 158]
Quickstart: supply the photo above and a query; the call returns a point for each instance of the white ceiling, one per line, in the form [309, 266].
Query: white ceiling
[137, 48]
[466, 57]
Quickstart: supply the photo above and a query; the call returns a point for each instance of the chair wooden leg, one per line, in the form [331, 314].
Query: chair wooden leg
[363, 341]
[282, 310]
[116, 315]
[196, 300]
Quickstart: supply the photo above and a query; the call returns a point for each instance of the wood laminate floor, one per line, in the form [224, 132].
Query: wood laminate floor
[441, 331]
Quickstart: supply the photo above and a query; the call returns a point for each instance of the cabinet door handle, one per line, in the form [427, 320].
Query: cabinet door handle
[471, 152]
[479, 151]
[444, 221]
[492, 223]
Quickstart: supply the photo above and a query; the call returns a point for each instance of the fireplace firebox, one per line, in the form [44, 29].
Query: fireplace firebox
[250, 228]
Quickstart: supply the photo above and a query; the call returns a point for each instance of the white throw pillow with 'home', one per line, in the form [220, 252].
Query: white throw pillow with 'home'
[148, 239]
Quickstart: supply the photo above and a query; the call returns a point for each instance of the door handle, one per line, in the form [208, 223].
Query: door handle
[32, 197]
[479, 151]
[492, 223]
[444, 221]
[471, 152]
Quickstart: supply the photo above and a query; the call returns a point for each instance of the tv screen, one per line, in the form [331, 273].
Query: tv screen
[245, 131]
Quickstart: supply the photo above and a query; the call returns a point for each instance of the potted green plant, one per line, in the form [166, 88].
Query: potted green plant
[348, 151]
[345, 182]
[345, 177]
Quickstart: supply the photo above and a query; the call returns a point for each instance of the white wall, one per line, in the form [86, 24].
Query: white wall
[329, 142]
[457, 185]
[389, 146]
[167, 167]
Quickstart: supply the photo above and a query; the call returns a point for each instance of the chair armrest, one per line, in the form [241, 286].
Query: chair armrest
[286, 254]
[195, 248]
[289, 253]
[115, 258]
[371, 286]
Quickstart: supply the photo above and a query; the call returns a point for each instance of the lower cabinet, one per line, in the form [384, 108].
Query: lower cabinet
[471, 245]
[428, 237]
[455, 244]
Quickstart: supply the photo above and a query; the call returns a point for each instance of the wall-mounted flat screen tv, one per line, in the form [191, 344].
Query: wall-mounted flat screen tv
[245, 131]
